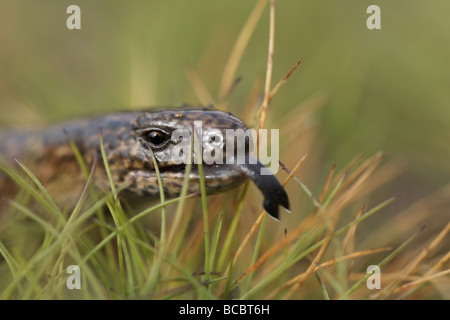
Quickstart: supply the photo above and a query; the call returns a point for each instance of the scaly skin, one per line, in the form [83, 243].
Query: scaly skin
[127, 142]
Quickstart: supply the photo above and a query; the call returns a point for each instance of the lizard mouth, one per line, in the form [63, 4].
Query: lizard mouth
[226, 176]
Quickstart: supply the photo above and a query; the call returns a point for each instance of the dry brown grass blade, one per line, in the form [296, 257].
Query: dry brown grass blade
[348, 242]
[431, 271]
[331, 212]
[303, 226]
[283, 81]
[248, 236]
[323, 248]
[412, 278]
[330, 263]
[437, 240]
[312, 267]
[269, 65]
[268, 96]
[361, 168]
[387, 173]
[387, 276]
[421, 281]
[239, 47]
[327, 184]
[303, 186]
[334, 218]
[417, 213]
[291, 173]
[353, 184]
[352, 165]
[413, 264]
[261, 216]
[351, 256]
[439, 264]
[334, 209]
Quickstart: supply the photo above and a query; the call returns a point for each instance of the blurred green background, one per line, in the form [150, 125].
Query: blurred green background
[385, 89]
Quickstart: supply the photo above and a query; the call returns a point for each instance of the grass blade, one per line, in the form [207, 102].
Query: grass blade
[382, 263]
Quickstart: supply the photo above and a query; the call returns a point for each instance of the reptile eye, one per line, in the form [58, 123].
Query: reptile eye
[157, 138]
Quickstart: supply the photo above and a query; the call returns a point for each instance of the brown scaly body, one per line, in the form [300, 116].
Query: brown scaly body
[128, 137]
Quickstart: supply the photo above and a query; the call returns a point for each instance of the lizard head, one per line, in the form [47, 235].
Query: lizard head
[173, 136]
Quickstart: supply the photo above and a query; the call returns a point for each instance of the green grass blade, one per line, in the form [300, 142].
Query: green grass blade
[232, 229]
[204, 207]
[259, 239]
[216, 241]
[156, 268]
[25, 185]
[44, 191]
[294, 257]
[382, 263]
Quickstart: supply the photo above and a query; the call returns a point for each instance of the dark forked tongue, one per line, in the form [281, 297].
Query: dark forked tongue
[274, 194]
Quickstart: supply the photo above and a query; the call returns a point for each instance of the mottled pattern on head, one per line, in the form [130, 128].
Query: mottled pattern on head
[131, 161]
